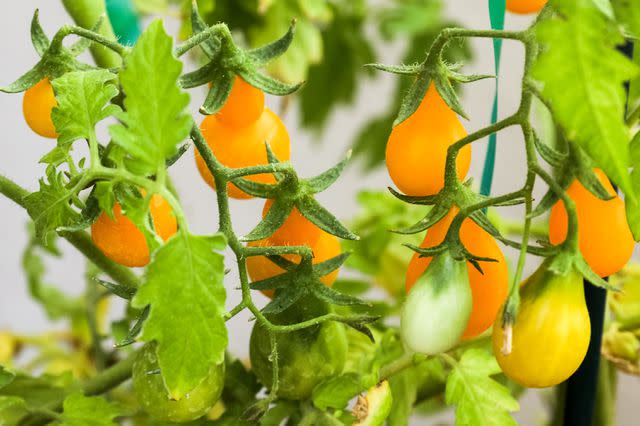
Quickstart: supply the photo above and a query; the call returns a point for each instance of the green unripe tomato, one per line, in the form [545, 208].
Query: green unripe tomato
[305, 357]
[153, 396]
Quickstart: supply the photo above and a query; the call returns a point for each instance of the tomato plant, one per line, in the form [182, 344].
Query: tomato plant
[452, 327]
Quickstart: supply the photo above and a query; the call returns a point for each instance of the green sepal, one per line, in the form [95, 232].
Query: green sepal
[330, 265]
[553, 157]
[413, 98]
[325, 179]
[481, 219]
[588, 274]
[121, 290]
[427, 251]
[323, 219]
[264, 54]
[39, 39]
[424, 200]
[200, 76]
[413, 69]
[447, 91]
[136, 329]
[435, 214]
[463, 78]
[544, 251]
[210, 47]
[360, 324]
[181, 151]
[590, 181]
[218, 93]
[278, 213]
[266, 83]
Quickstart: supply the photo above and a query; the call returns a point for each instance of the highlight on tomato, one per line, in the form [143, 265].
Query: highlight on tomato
[489, 288]
[306, 357]
[37, 104]
[152, 394]
[325, 247]
[551, 331]
[604, 237]
[237, 147]
[525, 6]
[121, 241]
[437, 309]
[417, 148]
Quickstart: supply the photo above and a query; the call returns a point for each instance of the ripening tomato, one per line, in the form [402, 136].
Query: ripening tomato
[551, 331]
[489, 289]
[305, 357]
[417, 147]
[37, 104]
[153, 396]
[244, 146]
[324, 248]
[605, 241]
[525, 6]
[437, 309]
[121, 241]
[243, 107]
[296, 229]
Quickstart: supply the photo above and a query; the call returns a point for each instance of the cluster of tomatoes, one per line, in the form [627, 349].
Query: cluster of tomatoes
[444, 306]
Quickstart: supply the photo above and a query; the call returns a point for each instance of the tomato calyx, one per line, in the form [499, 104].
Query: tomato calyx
[227, 60]
[55, 58]
[291, 191]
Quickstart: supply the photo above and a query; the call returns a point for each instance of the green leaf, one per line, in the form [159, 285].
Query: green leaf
[336, 392]
[83, 101]
[80, 410]
[49, 207]
[479, 399]
[6, 377]
[185, 290]
[155, 120]
[37, 391]
[586, 93]
[12, 409]
[628, 14]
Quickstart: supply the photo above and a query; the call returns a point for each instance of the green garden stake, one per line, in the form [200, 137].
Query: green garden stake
[125, 20]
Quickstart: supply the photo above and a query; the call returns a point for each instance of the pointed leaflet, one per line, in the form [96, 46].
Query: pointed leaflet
[49, 207]
[155, 120]
[586, 93]
[80, 410]
[184, 288]
[83, 98]
[39, 39]
[479, 399]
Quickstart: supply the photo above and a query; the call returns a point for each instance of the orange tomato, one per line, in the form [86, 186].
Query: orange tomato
[488, 290]
[417, 147]
[244, 147]
[37, 104]
[525, 6]
[324, 248]
[605, 241]
[121, 241]
[296, 229]
[244, 105]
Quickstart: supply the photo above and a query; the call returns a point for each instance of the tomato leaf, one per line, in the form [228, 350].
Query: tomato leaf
[155, 119]
[337, 391]
[479, 399]
[6, 377]
[628, 14]
[12, 409]
[184, 288]
[49, 207]
[83, 98]
[586, 93]
[80, 410]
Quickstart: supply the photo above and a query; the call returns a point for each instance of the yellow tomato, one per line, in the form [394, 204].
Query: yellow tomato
[551, 331]
[37, 104]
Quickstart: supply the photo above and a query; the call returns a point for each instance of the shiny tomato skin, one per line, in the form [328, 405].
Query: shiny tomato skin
[417, 148]
[37, 104]
[324, 248]
[523, 7]
[243, 107]
[551, 332]
[121, 241]
[489, 289]
[238, 147]
[605, 241]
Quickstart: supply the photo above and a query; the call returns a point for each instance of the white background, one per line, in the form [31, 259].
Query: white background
[22, 149]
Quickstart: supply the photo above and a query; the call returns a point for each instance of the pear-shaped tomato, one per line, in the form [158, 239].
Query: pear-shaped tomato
[305, 357]
[606, 243]
[488, 288]
[438, 307]
[551, 331]
[417, 148]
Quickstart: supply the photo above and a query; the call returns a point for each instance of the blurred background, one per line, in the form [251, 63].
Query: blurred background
[312, 151]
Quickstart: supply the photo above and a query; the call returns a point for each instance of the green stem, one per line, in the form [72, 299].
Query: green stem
[86, 13]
